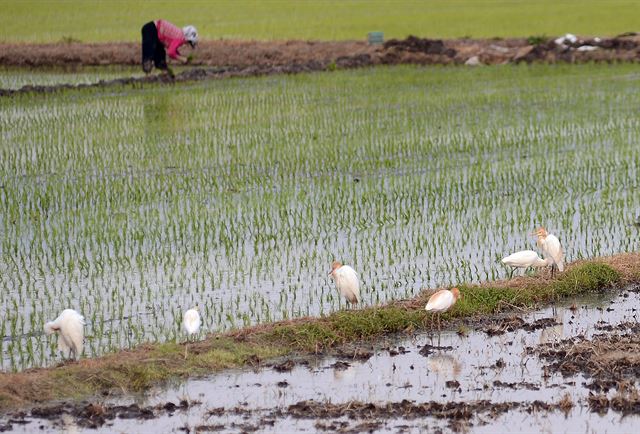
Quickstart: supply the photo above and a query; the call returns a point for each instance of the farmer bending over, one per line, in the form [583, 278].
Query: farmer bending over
[161, 35]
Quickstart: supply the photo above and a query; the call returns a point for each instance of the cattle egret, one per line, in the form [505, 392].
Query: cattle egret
[347, 282]
[70, 328]
[551, 249]
[192, 321]
[442, 301]
[525, 259]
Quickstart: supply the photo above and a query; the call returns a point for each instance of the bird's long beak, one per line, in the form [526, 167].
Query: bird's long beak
[533, 233]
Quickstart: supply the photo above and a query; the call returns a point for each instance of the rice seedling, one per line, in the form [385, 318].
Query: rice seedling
[238, 194]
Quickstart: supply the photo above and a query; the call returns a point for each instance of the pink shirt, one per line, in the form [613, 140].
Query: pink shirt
[171, 37]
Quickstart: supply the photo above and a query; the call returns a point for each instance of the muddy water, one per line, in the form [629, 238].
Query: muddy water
[463, 369]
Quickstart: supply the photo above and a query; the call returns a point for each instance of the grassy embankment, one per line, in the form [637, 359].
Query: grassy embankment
[104, 21]
[150, 364]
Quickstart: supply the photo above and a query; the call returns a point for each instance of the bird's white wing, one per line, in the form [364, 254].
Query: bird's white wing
[192, 321]
[542, 245]
[347, 281]
[73, 330]
[523, 258]
[555, 251]
[440, 301]
[64, 344]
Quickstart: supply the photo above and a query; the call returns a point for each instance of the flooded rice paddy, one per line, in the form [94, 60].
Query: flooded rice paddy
[134, 205]
[15, 78]
[477, 381]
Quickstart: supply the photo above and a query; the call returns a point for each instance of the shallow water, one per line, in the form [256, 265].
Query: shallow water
[237, 195]
[15, 78]
[410, 376]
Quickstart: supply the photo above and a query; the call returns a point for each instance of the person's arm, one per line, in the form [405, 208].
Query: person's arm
[174, 53]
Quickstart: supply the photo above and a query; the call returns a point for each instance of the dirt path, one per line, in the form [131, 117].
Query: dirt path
[240, 54]
[225, 58]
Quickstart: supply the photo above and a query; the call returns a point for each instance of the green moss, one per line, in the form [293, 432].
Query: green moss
[593, 276]
[227, 353]
[587, 277]
[305, 336]
[138, 376]
[352, 325]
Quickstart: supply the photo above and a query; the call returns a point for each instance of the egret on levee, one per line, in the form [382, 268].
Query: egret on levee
[525, 259]
[191, 323]
[70, 328]
[347, 282]
[551, 249]
[442, 301]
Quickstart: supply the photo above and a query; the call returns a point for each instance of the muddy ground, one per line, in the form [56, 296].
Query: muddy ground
[225, 58]
[548, 370]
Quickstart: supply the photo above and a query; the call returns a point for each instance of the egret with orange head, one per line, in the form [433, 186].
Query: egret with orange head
[442, 301]
[347, 282]
[551, 249]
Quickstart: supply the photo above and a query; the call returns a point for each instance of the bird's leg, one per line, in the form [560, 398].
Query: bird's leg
[186, 348]
[511, 273]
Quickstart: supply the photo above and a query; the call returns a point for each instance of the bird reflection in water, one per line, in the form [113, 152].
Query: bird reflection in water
[444, 365]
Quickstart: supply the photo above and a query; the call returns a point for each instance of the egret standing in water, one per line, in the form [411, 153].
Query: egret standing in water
[191, 323]
[70, 328]
[551, 249]
[525, 259]
[442, 301]
[347, 282]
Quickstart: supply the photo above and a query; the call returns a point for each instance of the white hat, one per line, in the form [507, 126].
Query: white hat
[190, 34]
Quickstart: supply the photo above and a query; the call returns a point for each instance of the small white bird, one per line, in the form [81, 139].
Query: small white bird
[525, 259]
[347, 281]
[550, 246]
[442, 301]
[70, 328]
[192, 321]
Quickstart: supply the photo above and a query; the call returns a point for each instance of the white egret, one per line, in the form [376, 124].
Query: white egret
[192, 321]
[550, 246]
[70, 328]
[525, 259]
[347, 281]
[442, 301]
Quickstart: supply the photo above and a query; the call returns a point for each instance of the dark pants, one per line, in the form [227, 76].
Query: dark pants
[152, 48]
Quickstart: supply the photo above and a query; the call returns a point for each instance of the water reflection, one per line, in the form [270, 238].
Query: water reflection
[69, 425]
[495, 368]
[164, 114]
[554, 333]
[348, 374]
[445, 366]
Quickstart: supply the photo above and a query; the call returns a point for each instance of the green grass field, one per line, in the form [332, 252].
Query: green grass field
[134, 204]
[110, 20]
